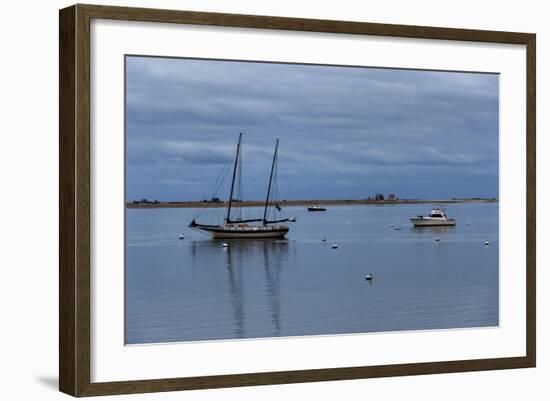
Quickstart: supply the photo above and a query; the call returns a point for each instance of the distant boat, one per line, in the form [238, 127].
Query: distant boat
[241, 228]
[437, 217]
[316, 209]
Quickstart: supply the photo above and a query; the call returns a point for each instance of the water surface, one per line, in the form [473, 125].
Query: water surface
[194, 289]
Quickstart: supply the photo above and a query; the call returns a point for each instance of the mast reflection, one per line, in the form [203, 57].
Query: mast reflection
[237, 292]
[273, 255]
[241, 259]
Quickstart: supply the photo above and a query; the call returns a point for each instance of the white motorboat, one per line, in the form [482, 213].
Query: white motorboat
[437, 217]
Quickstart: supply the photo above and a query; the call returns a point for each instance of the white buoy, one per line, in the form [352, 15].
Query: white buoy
[334, 246]
[437, 239]
[369, 277]
[397, 228]
[487, 243]
[391, 225]
[225, 245]
[324, 239]
[181, 236]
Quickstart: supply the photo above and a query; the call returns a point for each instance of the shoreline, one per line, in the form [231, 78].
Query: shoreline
[324, 202]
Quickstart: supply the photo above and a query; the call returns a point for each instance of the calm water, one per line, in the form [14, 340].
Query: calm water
[193, 289]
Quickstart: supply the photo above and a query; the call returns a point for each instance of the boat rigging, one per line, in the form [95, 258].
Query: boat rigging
[242, 228]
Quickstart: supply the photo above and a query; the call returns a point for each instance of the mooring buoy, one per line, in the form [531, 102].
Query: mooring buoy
[437, 239]
[487, 243]
[225, 245]
[181, 236]
[334, 246]
[369, 277]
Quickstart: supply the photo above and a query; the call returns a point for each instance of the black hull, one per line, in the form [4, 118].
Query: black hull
[220, 232]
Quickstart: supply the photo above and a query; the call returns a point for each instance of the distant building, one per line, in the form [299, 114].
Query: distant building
[214, 199]
[379, 197]
[145, 201]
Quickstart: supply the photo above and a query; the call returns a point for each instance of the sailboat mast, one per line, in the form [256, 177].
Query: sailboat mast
[270, 180]
[228, 219]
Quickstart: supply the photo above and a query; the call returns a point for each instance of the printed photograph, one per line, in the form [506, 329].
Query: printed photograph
[279, 199]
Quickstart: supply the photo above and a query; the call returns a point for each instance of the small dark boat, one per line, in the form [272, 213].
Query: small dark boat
[316, 209]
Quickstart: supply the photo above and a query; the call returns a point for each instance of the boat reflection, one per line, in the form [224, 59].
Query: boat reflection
[272, 256]
[432, 229]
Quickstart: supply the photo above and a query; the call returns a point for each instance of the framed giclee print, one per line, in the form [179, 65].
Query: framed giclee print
[251, 200]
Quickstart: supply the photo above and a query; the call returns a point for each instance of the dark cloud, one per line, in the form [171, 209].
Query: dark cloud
[345, 131]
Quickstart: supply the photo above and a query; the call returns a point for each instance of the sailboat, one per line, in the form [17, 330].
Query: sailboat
[247, 228]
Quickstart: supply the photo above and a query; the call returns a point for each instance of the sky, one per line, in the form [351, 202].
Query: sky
[345, 132]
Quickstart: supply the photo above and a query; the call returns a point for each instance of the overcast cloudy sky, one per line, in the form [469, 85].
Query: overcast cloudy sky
[344, 132]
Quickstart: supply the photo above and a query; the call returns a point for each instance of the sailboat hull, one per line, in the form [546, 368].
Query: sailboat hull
[256, 232]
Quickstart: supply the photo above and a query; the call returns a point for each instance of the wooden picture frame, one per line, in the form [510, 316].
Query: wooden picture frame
[74, 199]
